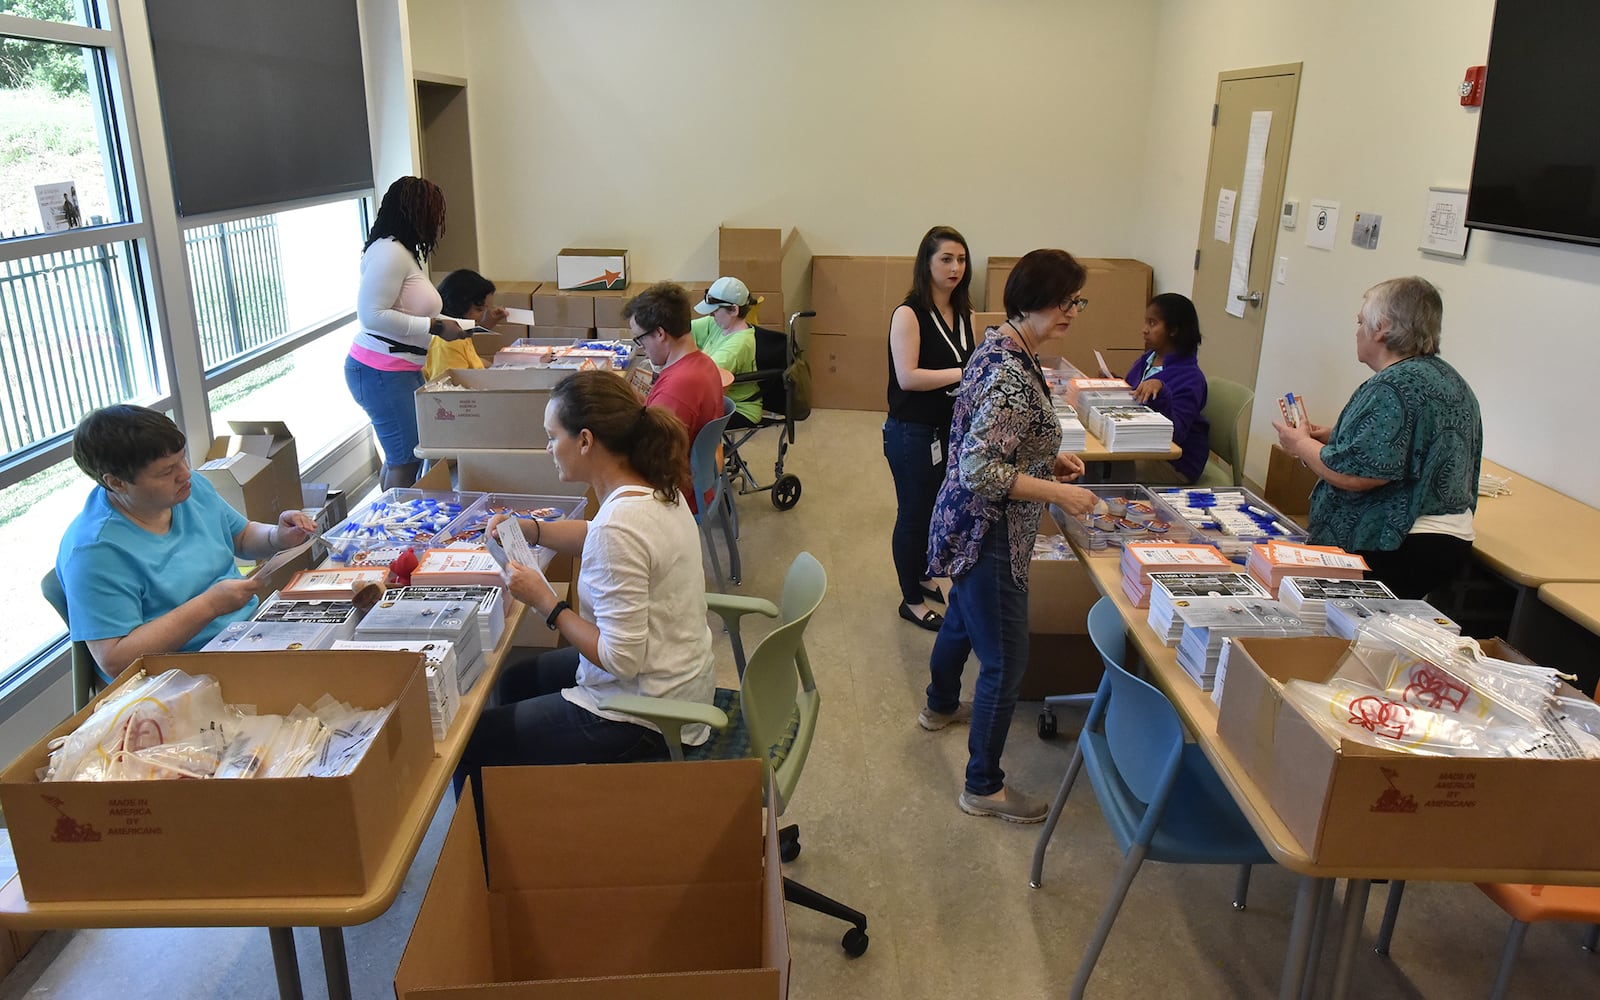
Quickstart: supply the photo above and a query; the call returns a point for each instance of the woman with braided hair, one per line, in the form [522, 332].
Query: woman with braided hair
[398, 311]
[642, 630]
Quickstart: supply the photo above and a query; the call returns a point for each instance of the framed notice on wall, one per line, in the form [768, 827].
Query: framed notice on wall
[1444, 226]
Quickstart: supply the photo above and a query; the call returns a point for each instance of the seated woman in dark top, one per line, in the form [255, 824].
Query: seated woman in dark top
[1167, 378]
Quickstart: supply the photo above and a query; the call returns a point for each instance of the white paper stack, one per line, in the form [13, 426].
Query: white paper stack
[1345, 615]
[1130, 428]
[1307, 596]
[1073, 436]
[1208, 621]
[1170, 591]
[439, 659]
[410, 620]
[491, 603]
[1140, 559]
[1115, 388]
[1271, 562]
[289, 624]
[456, 568]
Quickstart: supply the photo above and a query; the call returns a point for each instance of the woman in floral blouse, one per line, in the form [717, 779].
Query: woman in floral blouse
[1003, 468]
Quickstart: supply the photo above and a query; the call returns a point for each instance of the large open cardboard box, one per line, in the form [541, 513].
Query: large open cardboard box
[219, 839]
[256, 469]
[498, 408]
[605, 883]
[856, 295]
[1356, 807]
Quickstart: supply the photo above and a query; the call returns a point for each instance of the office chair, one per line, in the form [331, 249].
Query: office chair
[1227, 410]
[772, 717]
[86, 675]
[707, 477]
[1160, 796]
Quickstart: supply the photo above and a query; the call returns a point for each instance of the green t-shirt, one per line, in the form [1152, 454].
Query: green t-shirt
[734, 352]
[1416, 425]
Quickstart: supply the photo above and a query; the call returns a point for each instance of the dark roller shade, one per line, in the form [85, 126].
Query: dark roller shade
[264, 100]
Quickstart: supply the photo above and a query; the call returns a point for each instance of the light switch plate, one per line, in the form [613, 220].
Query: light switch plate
[1281, 275]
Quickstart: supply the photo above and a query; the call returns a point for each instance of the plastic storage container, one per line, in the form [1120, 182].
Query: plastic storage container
[1231, 518]
[466, 530]
[376, 533]
[1132, 514]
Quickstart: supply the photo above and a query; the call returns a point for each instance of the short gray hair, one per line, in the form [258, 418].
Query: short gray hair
[1414, 310]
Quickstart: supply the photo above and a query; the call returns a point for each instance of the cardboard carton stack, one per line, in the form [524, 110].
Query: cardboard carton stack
[507, 295]
[1118, 290]
[256, 469]
[854, 298]
[756, 257]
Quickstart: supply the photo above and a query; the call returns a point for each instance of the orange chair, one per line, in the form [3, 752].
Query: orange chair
[1529, 904]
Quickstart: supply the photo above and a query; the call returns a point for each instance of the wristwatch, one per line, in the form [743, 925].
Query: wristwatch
[555, 613]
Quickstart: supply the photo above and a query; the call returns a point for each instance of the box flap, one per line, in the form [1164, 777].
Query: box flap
[699, 819]
[450, 943]
[732, 984]
[590, 252]
[240, 466]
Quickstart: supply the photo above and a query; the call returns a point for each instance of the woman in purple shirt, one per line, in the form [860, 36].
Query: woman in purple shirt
[1167, 378]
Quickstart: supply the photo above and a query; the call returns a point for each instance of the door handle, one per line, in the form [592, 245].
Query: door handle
[1254, 298]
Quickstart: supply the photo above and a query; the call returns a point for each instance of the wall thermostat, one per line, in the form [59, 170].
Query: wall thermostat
[1291, 213]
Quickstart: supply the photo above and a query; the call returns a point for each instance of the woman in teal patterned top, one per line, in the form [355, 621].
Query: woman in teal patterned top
[1399, 469]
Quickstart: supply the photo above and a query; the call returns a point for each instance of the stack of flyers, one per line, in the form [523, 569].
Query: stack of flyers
[1271, 562]
[1169, 591]
[1207, 622]
[1307, 596]
[1140, 559]
[1293, 409]
[1346, 614]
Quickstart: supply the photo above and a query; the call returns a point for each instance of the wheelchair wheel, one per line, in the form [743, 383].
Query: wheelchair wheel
[786, 491]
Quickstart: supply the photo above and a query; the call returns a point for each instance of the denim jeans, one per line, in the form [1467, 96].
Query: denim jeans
[987, 615]
[909, 449]
[390, 401]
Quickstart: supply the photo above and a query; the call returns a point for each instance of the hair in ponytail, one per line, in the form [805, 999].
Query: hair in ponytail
[651, 438]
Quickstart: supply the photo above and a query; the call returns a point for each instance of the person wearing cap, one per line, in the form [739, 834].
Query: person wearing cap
[722, 332]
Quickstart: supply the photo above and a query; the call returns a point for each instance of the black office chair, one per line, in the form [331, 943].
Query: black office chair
[86, 676]
[784, 377]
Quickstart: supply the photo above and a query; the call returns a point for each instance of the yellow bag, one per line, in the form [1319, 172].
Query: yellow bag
[445, 354]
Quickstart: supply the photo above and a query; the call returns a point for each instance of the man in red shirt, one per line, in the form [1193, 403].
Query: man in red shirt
[687, 381]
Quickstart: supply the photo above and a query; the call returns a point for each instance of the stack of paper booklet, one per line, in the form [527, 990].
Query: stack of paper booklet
[1208, 621]
[1306, 596]
[1130, 428]
[333, 582]
[1346, 614]
[1140, 559]
[491, 603]
[1119, 390]
[412, 620]
[1171, 591]
[439, 663]
[1073, 436]
[289, 624]
[1271, 562]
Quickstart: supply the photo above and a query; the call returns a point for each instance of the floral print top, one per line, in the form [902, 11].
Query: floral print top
[1004, 426]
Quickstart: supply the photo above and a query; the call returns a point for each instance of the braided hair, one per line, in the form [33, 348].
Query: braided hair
[411, 214]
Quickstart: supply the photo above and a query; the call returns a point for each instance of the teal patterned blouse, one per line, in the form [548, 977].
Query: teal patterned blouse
[1415, 424]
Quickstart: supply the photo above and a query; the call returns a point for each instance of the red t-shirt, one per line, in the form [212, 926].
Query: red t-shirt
[691, 387]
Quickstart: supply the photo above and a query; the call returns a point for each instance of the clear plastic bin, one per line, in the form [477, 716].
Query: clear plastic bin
[1197, 507]
[376, 533]
[466, 531]
[1133, 514]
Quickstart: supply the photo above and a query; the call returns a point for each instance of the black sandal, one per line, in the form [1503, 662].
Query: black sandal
[932, 593]
[930, 620]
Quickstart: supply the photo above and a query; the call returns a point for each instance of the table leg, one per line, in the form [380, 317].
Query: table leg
[1517, 630]
[1306, 903]
[1319, 927]
[284, 963]
[334, 963]
[1355, 911]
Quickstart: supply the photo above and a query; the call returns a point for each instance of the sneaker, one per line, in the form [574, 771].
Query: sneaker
[934, 721]
[1014, 808]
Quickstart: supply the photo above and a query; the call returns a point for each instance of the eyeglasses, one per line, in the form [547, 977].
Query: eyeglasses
[719, 304]
[639, 340]
[1077, 302]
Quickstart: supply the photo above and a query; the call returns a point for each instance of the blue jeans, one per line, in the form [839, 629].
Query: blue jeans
[909, 449]
[988, 615]
[390, 401]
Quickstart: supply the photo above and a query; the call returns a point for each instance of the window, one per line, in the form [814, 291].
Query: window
[304, 388]
[34, 514]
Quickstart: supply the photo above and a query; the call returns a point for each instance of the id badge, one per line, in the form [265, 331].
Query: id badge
[938, 452]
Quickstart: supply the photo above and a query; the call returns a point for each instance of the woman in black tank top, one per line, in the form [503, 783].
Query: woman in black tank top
[930, 339]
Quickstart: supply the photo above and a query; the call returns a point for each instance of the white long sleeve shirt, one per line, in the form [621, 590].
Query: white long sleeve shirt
[396, 301]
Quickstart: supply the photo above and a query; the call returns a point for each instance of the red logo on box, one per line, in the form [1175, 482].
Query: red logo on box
[67, 829]
[1393, 800]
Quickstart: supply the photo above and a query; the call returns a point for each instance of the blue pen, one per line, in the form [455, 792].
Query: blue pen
[1290, 397]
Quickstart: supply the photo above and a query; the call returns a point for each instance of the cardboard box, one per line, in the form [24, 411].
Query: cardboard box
[1358, 808]
[857, 295]
[514, 294]
[578, 902]
[215, 839]
[608, 310]
[499, 408]
[1118, 290]
[588, 269]
[256, 469]
[754, 256]
[1061, 658]
[849, 372]
[1289, 484]
[552, 307]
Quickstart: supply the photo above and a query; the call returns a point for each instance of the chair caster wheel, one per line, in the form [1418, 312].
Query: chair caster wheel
[1047, 725]
[855, 942]
[788, 844]
[786, 491]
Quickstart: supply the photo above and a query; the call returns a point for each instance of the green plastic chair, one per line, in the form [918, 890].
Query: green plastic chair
[1227, 410]
[86, 677]
[771, 717]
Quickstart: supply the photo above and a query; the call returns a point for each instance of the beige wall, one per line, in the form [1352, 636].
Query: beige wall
[438, 37]
[1378, 122]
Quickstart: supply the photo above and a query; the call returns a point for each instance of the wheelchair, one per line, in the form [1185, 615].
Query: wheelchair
[777, 353]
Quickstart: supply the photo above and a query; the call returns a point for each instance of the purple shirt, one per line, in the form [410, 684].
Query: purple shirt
[1181, 400]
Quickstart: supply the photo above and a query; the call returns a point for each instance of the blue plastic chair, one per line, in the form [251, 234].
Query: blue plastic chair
[1160, 796]
[707, 476]
[1110, 639]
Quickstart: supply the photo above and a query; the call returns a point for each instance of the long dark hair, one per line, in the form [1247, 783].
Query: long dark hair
[922, 285]
[651, 438]
[412, 214]
[1181, 319]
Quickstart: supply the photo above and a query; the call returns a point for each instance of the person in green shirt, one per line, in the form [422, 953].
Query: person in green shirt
[722, 332]
[1399, 470]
